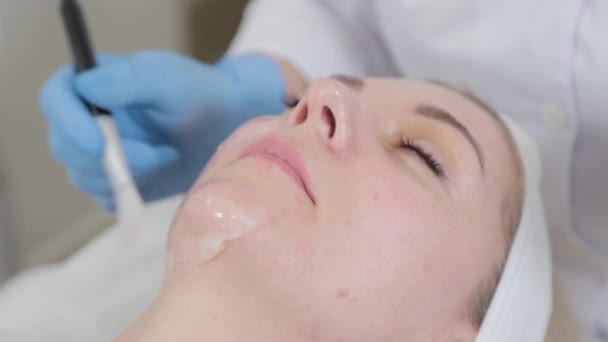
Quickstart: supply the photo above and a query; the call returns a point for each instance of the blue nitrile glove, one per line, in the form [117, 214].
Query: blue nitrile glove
[171, 112]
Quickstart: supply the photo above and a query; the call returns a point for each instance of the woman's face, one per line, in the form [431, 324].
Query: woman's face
[367, 210]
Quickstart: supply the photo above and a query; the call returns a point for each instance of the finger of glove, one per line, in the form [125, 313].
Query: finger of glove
[73, 157]
[135, 124]
[148, 78]
[68, 115]
[92, 185]
[87, 172]
[144, 159]
[149, 159]
[105, 203]
[156, 188]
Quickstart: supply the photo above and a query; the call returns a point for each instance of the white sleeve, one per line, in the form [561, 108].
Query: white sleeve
[320, 38]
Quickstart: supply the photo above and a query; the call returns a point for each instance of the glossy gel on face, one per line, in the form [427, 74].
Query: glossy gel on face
[204, 232]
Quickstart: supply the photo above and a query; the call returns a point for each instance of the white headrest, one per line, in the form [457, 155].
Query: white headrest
[522, 304]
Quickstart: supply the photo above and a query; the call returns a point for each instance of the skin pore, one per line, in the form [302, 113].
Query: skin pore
[353, 216]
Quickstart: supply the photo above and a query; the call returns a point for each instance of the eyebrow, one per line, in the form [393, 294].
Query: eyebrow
[432, 112]
[352, 82]
[439, 114]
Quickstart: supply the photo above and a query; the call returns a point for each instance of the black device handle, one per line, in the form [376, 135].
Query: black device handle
[80, 44]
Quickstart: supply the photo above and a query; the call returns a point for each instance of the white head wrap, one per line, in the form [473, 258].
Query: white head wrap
[521, 306]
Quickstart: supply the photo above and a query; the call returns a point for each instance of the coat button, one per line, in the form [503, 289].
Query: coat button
[554, 116]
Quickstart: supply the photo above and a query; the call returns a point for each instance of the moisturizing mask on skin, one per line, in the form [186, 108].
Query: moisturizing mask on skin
[202, 240]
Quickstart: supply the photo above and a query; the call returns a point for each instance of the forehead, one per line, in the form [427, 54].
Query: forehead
[407, 94]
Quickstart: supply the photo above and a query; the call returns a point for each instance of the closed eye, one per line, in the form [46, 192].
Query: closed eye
[291, 102]
[426, 157]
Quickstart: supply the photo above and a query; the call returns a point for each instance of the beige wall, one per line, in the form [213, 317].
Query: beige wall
[47, 218]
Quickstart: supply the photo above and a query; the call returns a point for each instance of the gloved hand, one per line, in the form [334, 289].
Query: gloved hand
[171, 112]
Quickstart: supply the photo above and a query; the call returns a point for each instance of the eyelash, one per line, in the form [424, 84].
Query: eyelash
[428, 158]
[291, 102]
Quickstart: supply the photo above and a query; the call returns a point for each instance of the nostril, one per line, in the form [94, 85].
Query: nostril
[328, 117]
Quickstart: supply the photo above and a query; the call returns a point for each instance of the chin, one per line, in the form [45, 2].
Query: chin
[213, 215]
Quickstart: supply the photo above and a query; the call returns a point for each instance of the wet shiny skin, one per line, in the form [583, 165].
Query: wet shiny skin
[388, 251]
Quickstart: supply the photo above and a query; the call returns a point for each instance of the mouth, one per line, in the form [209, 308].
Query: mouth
[284, 155]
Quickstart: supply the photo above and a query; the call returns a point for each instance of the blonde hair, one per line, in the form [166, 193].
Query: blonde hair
[511, 208]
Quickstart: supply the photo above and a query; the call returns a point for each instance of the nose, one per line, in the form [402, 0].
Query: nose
[328, 109]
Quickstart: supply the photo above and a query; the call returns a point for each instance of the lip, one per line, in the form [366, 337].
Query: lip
[285, 156]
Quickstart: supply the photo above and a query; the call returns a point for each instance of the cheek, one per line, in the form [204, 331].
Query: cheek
[389, 205]
[399, 231]
[394, 221]
[230, 149]
[418, 244]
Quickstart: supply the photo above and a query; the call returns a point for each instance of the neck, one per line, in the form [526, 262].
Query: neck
[218, 311]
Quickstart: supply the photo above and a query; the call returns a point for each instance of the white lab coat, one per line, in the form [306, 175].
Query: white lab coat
[543, 63]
